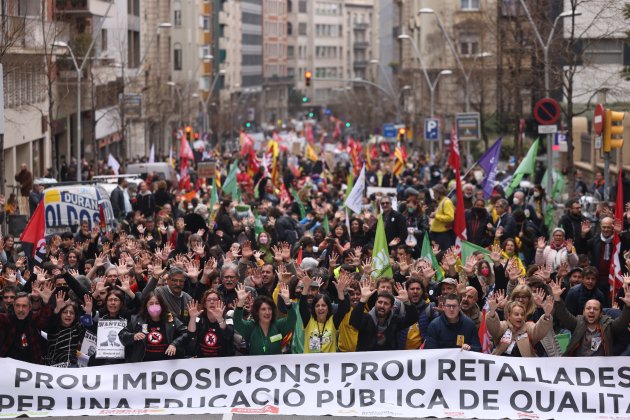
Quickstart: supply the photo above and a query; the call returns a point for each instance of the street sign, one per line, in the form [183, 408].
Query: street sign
[431, 129]
[547, 111]
[468, 126]
[389, 131]
[598, 119]
[598, 142]
[547, 129]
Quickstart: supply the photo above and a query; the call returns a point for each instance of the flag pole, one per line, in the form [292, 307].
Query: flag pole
[450, 193]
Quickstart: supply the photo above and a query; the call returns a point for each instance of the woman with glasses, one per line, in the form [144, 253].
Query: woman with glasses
[66, 329]
[515, 337]
[210, 335]
[154, 333]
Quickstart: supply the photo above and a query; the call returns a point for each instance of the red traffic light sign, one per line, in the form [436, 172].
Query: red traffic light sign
[547, 111]
[598, 119]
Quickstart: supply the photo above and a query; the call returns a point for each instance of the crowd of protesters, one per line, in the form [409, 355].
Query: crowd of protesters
[182, 277]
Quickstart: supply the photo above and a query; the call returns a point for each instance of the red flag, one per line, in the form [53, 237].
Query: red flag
[35, 231]
[615, 278]
[454, 160]
[299, 258]
[337, 131]
[185, 152]
[308, 133]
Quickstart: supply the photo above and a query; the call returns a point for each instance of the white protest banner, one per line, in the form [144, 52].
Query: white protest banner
[355, 198]
[440, 383]
[108, 344]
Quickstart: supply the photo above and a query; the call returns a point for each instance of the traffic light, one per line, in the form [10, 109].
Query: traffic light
[189, 133]
[310, 114]
[304, 99]
[613, 130]
[248, 125]
[347, 125]
[307, 77]
[401, 134]
[196, 136]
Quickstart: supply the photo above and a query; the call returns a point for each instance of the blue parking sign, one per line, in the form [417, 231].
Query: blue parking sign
[432, 129]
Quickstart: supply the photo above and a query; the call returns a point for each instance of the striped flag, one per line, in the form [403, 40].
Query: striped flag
[400, 157]
[484, 335]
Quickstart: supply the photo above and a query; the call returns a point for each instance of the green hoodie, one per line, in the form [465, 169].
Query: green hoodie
[257, 342]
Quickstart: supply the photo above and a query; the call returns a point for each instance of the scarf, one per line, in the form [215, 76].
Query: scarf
[552, 245]
[607, 242]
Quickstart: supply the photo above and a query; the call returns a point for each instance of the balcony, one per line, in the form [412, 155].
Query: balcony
[81, 7]
[361, 45]
[223, 18]
[360, 64]
[361, 26]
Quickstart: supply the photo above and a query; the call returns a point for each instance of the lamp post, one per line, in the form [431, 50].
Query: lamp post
[77, 141]
[545, 47]
[179, 98]
[434, 85]
[205, 102]
[387, 79]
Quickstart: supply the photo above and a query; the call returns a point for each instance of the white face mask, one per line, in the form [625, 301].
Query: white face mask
[536, 194]
[516, 201]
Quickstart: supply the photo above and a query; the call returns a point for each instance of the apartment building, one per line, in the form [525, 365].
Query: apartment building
[25, 126]
[276, 82]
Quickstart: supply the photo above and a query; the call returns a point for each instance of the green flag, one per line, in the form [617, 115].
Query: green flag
[230, 185]
[427, 252]
[349, 185]
[214, 197]
[380, 252]
[258, 226]
[297, 199]
[526, 167]
[468, 248]
[559, 181]
[326, 225]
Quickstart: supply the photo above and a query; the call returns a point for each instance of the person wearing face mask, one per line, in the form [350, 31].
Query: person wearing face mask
[417, 220]
[477, 221]
[154, 333]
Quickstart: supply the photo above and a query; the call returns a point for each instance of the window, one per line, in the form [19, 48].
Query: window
[103, 40]
[204, 50]
[289, 28]
[469, 4]
[177, 18]
[603, 51]
[177, 58]
[302, 28]
[469, 44]
[302, 6]
[205, 23]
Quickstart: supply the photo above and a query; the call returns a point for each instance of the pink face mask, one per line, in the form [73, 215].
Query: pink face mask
[154, 310]
[485, 271]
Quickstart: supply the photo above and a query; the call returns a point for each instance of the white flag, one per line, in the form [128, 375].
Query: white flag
[152, 154]
[355, 198]
[113, 163]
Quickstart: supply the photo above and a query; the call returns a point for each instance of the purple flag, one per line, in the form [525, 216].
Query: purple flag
[489, 161]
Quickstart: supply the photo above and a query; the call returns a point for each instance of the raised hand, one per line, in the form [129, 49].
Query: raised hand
[402, 293]
[241, 293]
[141, 229]
[495, 254]
[193, 309]
[539, 297]
[60, 301]
[255, 276]
[541, 243]
[367, 290]
[88, 304]
[286, 251]
[247, 250]
[199, 249]
[96, 231]
[586, 227]
[493, 302]
[547, 305]
[285, 294]
[569, 245]
[283, 274]
[125, 285]
[499, 232]
[20, 262]
[74, 273]
[469, 266]
[626, 290]
[462, 283]
[217, 311]
[192, 269]
[435, 248]
[501, 298]
[277, 253]
[334, 256]
[258, 255]
[556, 289]
[394, 241]
[45, 291]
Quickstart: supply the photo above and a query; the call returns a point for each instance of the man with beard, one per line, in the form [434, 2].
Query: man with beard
[469, 305]
[452, 329]
[412, 338]
[571, 222]
[468, 191]
[592, 333]
[379, 328]
[176, 299]
[22, 327]
[580, 294]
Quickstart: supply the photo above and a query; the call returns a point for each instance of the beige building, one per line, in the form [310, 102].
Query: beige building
[276, 82]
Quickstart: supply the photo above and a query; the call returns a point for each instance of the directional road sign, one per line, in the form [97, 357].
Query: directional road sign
[468, 126]
[432, 129]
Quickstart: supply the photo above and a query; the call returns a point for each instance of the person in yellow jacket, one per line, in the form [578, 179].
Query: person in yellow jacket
[320, 321]
[443, 217]
[348, 335]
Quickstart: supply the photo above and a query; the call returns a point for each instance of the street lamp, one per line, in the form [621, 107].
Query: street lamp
[387, 79]
[434, 85]
[77, 142]
[545, 47]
